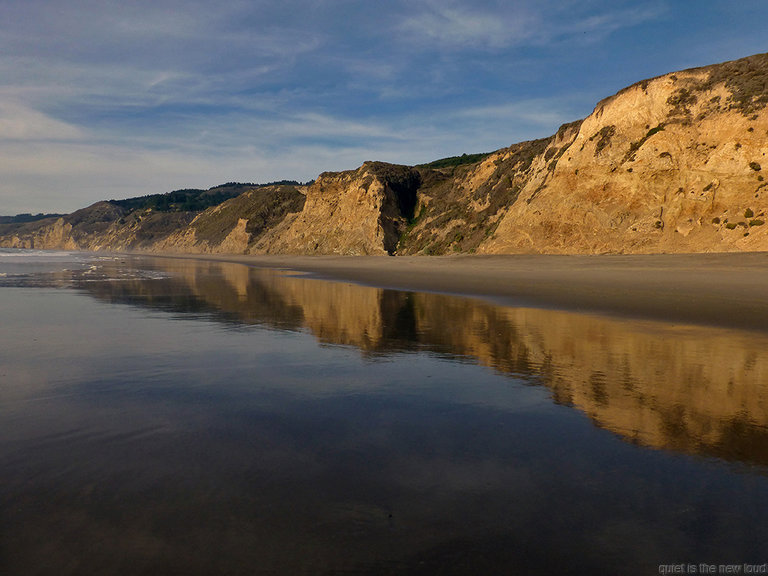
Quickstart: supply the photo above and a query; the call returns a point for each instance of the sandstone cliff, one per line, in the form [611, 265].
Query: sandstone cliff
[461, 207]
[364, 211]
[671, 164]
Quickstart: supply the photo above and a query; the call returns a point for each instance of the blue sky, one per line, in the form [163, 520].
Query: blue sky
[103, 99]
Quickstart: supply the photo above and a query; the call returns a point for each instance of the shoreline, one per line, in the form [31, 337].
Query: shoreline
[722, 289]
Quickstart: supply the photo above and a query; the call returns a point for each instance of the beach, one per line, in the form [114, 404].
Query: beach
[249, 415]
[726, 289]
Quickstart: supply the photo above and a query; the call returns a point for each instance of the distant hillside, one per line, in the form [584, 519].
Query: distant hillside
[146, 222]
[24, 218]
[192, 200]
[669, 164]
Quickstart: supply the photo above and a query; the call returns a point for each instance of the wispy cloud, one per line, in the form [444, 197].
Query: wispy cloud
[450, 24]
[595, 27]
[458, 25]
[19, 122]
[540, 112]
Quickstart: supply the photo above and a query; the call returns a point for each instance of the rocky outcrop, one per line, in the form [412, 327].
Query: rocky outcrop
[364, 211]
[43, 235]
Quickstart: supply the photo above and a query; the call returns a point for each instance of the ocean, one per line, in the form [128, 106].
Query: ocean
[180, 416]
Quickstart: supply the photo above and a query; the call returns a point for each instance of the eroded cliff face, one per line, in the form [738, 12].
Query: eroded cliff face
[673, 164]
[460, 208]
[355, 212]
[237, 225]
[52, 234]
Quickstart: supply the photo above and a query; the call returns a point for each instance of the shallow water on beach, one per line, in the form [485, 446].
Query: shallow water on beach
[175, 416]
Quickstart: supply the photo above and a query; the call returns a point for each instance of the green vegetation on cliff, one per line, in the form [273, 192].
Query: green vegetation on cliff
[453, 161]
[454, 219]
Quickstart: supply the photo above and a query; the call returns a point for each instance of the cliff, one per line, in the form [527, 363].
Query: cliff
[670, 164]
[364, 211]
[673, 164]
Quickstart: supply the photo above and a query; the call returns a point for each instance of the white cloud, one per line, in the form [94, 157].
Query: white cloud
[19, 122]
[453, 25]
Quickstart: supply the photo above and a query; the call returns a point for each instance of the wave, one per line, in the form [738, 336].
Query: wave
[37, 255]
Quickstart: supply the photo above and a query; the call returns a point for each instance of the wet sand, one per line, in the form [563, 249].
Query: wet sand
[718, 289]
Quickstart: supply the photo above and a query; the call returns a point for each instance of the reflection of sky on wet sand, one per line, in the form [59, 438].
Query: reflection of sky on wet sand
[132, 442]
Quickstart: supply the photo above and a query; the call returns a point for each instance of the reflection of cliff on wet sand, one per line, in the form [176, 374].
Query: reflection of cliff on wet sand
[687, 388]
[336, 313]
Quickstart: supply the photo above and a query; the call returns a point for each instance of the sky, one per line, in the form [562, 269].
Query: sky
[103, 99]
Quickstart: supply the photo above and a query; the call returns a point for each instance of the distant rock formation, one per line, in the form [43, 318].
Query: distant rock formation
[231, 226]
[670, 164]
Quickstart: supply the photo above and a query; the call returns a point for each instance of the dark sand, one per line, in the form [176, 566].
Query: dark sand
[718, 289]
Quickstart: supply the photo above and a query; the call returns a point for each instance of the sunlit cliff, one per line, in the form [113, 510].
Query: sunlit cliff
[671, 164]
